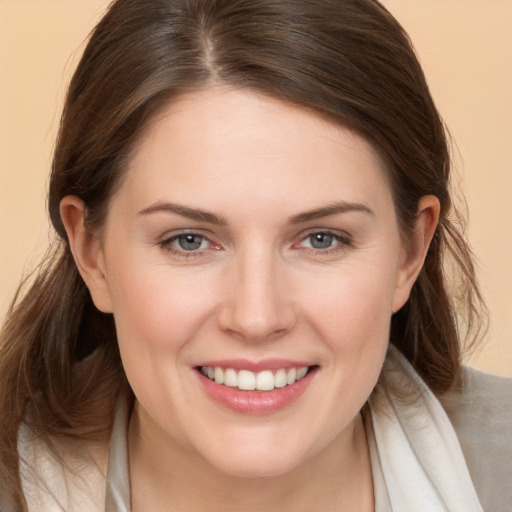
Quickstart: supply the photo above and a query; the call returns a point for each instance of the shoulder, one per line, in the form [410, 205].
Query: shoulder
[481, 413]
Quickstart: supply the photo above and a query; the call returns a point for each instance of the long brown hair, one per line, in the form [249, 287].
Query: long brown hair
[349, 60]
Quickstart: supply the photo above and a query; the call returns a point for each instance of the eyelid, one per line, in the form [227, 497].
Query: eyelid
[336, 233]
[166, 242]
[343, 238]
[175, 233]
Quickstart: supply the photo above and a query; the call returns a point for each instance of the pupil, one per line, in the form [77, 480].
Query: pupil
[190, 242]
[321, 241]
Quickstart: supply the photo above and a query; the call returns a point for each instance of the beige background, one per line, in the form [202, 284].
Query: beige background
[465, 47]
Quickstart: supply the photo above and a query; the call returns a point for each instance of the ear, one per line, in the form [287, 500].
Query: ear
[414, 256]
[87, 251]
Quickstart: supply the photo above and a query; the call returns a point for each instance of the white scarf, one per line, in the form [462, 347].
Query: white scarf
[411, 441]
[421, 459]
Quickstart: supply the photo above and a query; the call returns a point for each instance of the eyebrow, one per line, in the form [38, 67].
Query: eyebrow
[331, 209]
[212, 218]
[185, 211]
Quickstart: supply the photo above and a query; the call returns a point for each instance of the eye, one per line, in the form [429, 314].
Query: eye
[190, 242]
[183, 243]
[321, 240]
[324, 242]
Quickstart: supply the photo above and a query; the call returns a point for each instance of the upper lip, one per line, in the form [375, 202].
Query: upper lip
[255, 366]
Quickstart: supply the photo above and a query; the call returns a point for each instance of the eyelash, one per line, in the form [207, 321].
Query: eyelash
[342, 243]
[167, 245]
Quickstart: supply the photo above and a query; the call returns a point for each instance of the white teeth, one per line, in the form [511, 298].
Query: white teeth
[219, 376]
[280, 378]
[301, 373]
[265, 381]
[246, 380]
[230, 378]
[291, 376]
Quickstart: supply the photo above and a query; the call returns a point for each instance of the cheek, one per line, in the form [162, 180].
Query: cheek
[353, 307]
[157, 314]
[352, 316]
[155, 308]
[357, 333]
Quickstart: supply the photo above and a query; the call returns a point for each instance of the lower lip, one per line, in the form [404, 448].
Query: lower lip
[256, 402]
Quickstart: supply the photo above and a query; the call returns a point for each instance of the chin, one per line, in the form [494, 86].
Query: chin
[257, 468]
[257, 460]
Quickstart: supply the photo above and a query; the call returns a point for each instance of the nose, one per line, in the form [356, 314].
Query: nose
[258, 305]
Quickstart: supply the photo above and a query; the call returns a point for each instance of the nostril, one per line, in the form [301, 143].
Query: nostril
[256, 324]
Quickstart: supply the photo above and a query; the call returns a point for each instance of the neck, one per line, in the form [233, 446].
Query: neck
[338, 478]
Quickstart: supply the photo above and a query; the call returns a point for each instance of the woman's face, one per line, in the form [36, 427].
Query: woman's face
[251, 241]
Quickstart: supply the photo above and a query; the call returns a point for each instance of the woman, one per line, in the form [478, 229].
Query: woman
[248, 307]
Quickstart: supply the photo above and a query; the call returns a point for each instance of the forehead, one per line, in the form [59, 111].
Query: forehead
[210, 142]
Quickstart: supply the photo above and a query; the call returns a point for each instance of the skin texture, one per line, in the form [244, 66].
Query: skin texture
[255, 289]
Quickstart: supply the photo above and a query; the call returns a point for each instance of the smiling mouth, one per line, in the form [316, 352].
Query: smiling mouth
[246, 380]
